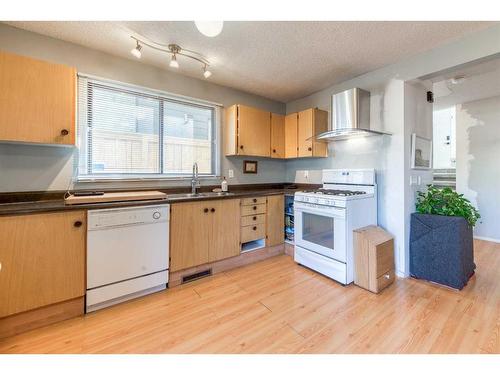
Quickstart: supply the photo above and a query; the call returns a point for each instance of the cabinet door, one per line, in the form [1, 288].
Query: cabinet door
[275, 220]
[231, 131]
[291, 128]
[190, 230]
[42, 260]
[225, 238]
[37, 101]
[277, 136]
[305, 132]
[254, 131]
[320, 119]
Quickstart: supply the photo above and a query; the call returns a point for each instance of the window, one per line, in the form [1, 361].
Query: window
[125, 132]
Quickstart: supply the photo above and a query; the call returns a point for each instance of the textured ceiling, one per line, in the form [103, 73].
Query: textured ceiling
[278, 60]
[481, 80]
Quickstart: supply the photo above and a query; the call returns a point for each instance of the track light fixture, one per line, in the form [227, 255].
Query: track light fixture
[174, 50]
[137, 50]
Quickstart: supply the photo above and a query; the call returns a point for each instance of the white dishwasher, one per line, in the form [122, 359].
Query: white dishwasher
[127, 253]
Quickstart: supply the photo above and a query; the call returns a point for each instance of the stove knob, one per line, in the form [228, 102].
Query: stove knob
[156, 215]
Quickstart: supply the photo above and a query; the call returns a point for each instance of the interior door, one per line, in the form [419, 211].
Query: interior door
[254, 131]
[225, 236]
[190, 232]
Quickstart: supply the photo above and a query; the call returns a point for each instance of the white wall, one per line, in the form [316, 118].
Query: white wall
[39, 168]
[478, 157]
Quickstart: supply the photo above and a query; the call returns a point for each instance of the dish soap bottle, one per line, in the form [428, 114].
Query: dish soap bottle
[223, 185]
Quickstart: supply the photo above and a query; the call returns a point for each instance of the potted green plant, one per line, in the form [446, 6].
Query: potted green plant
[441, 241]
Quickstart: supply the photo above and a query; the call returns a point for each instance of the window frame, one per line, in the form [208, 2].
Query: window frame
[83, 137]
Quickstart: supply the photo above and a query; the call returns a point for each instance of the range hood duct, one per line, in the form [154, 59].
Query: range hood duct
[350, 116]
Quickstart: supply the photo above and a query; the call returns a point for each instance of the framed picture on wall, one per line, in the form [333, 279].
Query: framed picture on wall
[421, 152]
[249, 166]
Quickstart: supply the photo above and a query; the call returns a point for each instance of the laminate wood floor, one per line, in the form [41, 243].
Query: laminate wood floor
[276, 306]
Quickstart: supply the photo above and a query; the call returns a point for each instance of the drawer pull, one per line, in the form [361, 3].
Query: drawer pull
[387, 276]
[254, 228]
[309, 149]
[205, 210]
[255, 200]
[64, 132]
[212, 209]
[254, 218]
[254, 207]
[77, 224]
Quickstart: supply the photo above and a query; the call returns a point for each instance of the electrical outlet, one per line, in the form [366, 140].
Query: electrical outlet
[230, 173]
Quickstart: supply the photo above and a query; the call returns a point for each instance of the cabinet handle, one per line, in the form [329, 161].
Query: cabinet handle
[212, 209]
[387, 276]
[0, 266]
[274, 150]
[64, 132]
[254, 208]
[205, 210]
[255, 200]
[241, 147]
[309, 149]
[77, 224]
[254, 218]
[254, 228]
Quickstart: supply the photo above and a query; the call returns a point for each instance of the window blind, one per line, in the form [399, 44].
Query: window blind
[127, 132]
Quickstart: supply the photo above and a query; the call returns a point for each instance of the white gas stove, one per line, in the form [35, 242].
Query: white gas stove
[326, 217]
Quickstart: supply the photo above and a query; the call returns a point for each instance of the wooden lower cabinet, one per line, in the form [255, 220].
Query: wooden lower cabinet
[42, 260]
[275, 220]
[225, 239]
[203, 232]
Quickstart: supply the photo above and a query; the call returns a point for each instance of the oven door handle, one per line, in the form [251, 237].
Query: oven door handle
[338, 213]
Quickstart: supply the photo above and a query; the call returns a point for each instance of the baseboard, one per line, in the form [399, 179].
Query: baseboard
[43, 316]
[489, 239]
[243, 259]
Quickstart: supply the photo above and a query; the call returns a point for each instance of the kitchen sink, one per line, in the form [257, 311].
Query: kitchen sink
[181, 196]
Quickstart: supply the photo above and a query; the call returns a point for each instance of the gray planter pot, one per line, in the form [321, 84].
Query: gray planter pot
[441, 249]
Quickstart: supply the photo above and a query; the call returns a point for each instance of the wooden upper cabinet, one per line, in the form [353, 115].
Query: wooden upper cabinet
[275, 220]
[277, 136]
[311, 122]
[42, 260]
[291, 128]
[247, 131]
[203, 232]
[37, 101]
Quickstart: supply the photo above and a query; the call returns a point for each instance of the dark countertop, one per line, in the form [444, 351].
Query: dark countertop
[30, 203]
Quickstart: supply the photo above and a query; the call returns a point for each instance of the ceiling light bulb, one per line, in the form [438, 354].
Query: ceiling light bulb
[137, 51]
[173, 62]
[206, 73]
[209, 28]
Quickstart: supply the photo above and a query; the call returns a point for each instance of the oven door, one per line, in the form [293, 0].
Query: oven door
[321, 229]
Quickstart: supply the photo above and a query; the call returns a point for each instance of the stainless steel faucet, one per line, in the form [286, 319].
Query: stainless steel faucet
[195, 183]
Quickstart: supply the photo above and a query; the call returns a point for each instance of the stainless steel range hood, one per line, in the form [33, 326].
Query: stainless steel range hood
[350, 116]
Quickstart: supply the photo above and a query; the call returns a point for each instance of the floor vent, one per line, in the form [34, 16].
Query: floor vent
[196, 276]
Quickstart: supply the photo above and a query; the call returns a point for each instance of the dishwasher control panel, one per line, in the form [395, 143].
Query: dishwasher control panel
[115, 217]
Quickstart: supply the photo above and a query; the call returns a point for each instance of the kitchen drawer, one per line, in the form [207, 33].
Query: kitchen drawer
[252, 201]
[253, 219]
[253, 232]
[253, 210]
[384, 280]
